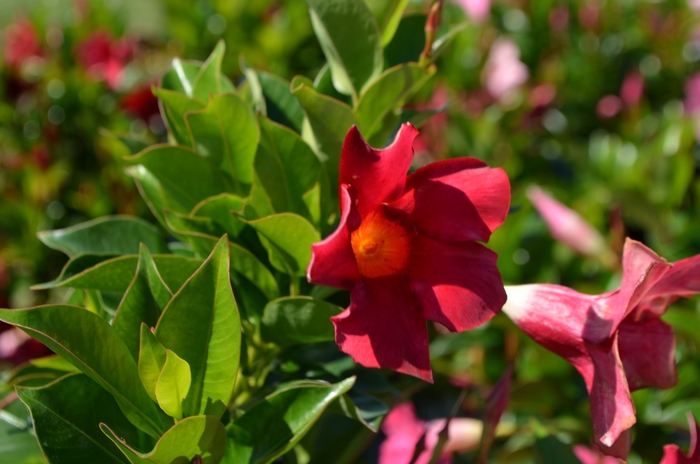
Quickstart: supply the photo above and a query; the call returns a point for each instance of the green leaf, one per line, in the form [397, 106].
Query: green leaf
[208, 80]
[173, 384]
[408, 41]
[175, 105]
[17, 444]
[151, 360]
[366, 409]
[71, 332]
[202, 436]
[351, 41]
[143, 301]
[550, 450]
[39, 371]
[66, 416]
[227, 133]
[275, 425]
[134, 143]
[184, 175]
[282, 106]
[388, 15]
[387, 94]
[220, 209]
[152, 192]
[109, 234]
[289, 238]
[201, 325]
[287, 167]
[181, 75]
[291, 320]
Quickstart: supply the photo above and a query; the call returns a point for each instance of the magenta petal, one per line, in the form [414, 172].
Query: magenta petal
[641, 269]
[461, 199]
[403, 431]
[683, 279]
[592, 456]
[612, 410]
[332, 260]
[384, 327]
[620, 449]
[647, 351]
[378, 175]
[674, 455]
[458, 284]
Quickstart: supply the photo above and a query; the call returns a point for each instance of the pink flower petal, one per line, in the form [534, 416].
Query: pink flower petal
[384, 327]
[458, 284]
[403, 431]
[612, 410]
[496, 405]
[682, 280]
[378, 176]
[647, 351]
[333, 262]
[592, 456]
[460, 199]
[674, 455]
[620, 449]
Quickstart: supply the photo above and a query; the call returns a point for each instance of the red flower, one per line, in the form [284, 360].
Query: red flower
[615, 340]
[105, 58]
[406, 248]
[21, 43]
[141, 102]
[674, 455]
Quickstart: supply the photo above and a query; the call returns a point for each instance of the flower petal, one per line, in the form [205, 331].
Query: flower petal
[647, 350]
[641, 269]
[384, 327]
[674, 455]
[682, 280]
[332, 260]
[612, 410]
[620, 449]
[378, 175]
[458, 284]
[403, 431]
[460, 199]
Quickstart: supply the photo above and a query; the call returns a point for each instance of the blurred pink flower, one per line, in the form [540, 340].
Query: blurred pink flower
[589, 15]
[616, 340]
[674, 455]
[608, 106]
[478, 10]
[105, 58]
[21, 43]
[569, 228]
[404, 431]
[632, 89]
[592, 456]
[503, 72]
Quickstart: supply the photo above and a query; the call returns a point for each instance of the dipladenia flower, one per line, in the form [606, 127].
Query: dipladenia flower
[615, 340]
[674, 455]
[406, 247]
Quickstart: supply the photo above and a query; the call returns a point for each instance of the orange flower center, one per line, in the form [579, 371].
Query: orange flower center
[381, 246]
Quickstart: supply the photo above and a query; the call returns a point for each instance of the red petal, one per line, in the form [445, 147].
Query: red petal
[647, 351]
[403, 431]
[619, 449]
[384, 327]
[458, 284]
[332, 260]
[612, 410]
[674, 455]
[456, 200]
[641, 269]
[683, 279]
[378, 175]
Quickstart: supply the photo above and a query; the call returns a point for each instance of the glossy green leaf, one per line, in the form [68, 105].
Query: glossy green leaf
[143, 301]
[408, 41]
[273, 426]
[151, 360]
[71, 332]
[39, 371]
[181, 75]
[208, 80]
[227, 133]
[192, 436]
[287, 167]
[290, 238]
[388, 15]
[291, 320]
[220, 209]
[201, 325]
[132, 142]
[152, 192]
[200, 232]
[66, 416]
[282, 106]
[109, 234]
[387, 94]
[351, 41]
[173, 384]
[184, 175]
[175, 105]
[17, 444]
[366, 409]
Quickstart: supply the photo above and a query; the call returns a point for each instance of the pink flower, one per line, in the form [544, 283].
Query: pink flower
[404, 432]
[592, 456]
[504, 72]
[608, 106]
[674, 455]
[21, 43]
[478, 10]
[615, 340]
[406, 248]
[569, 228]
[105, 58]
[632, 89]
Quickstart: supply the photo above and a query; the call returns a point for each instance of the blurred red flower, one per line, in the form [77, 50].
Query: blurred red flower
[616, 340]
[674, 455]
[141, 102]
[104, 58]
[407, 249]
[21, 43]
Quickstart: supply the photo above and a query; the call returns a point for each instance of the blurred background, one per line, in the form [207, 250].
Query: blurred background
[595, 101]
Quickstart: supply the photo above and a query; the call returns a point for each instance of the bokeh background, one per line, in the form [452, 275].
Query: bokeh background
[596, 101]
